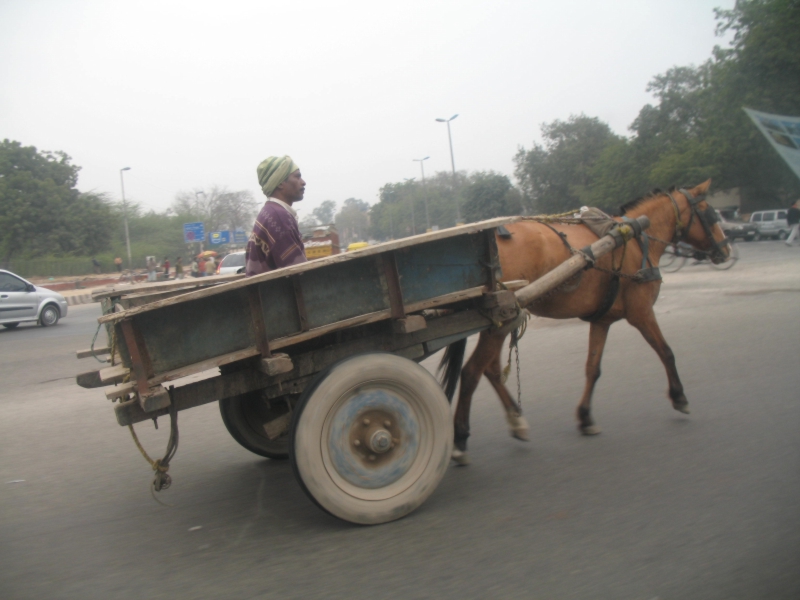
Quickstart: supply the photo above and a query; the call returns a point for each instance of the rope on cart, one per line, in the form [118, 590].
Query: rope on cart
[162, 480]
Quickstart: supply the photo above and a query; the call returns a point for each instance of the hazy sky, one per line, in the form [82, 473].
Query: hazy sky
[191, 94]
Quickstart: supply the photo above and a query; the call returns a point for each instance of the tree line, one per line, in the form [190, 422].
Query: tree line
[694, 129]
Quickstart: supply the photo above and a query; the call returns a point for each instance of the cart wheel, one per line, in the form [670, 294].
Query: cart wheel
[248, 417]
[371, 438]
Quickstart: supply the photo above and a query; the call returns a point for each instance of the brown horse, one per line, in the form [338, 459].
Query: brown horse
[534, 248]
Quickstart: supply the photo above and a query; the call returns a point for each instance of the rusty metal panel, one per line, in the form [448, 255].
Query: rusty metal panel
[183, 334]
[342, 291]
[442, 267]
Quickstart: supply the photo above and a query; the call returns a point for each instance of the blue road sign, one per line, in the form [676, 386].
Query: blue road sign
[239, 237]
[193, 232]
[219, 237]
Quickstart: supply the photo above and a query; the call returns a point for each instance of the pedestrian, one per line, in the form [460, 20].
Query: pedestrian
[151, 268]
[275, 240]
[118, 264]
[166, 267]
[195, 267]
[95, 265]
[210, 266]
[793, 219]
[179, 268]
[201, 266]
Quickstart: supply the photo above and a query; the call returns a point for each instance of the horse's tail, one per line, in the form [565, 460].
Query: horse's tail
[450, 367]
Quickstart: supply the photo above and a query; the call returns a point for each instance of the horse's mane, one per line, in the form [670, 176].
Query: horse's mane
[641, 200]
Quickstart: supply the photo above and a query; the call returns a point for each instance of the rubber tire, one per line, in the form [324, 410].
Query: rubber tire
[242, 416]
[782, 235]
[49, 316]
[670, 261]
[318, 409]
[734, 256]
[10, 325]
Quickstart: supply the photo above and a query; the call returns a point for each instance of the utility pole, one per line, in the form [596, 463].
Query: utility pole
[125, 216]
[452, 164]
[424, 190]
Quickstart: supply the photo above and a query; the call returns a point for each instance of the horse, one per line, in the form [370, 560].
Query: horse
[602, 295]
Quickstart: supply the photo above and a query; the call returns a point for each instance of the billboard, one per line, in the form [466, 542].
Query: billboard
[783, 133]
[216, 238]
[193, 232]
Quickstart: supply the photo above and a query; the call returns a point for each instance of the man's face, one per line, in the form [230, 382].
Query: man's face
[293, 188]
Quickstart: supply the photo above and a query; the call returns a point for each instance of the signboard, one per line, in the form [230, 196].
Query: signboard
[193, 232]
[783, 133]
[239, 237]
[216, 238]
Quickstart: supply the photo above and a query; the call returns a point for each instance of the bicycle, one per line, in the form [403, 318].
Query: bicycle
[676, 255]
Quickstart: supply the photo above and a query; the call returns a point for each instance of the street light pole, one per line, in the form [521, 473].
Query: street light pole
[125, 216]
[413, 223]
[196, 194]
[452, 163]
[424, 190]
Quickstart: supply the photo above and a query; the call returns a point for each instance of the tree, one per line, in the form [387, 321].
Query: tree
[352, 222]
[325, 212]
[41, 211]
[219, 208]
[488, 195]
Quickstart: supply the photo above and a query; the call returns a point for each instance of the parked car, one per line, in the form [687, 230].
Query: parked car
[22, 302]
[771, 224]
[233, 263]
[734, 228]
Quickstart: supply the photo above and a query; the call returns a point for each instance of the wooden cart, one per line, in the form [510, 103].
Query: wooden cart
[317, 362]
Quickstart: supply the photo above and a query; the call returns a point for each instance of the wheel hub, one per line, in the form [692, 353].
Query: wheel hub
[374, 437]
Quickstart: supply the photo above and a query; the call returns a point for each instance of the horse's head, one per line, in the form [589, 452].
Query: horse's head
[698, 223]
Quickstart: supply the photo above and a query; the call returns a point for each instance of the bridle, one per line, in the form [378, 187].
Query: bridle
[708, 218]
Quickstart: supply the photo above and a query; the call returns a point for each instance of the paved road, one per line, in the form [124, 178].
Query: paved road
[660, 505]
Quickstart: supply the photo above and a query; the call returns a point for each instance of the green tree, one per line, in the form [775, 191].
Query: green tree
[352, 221]
[488, 194]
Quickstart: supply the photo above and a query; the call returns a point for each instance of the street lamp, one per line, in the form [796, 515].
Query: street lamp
[452, 162]
[424, 190]
[413, 224]
[196, 194]
[125, 216]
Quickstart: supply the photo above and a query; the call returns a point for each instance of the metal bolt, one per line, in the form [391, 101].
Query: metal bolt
[357, 443]
[366, 422]
[372, 457]
[387, 423]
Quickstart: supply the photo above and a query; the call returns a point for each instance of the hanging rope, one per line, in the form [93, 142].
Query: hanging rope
[162, 480]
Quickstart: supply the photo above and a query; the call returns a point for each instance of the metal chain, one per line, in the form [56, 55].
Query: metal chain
[519, 381]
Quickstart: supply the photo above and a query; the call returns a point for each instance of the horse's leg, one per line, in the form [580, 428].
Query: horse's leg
[598, 332]
[487, 349]
[648, 326]
[517, 424]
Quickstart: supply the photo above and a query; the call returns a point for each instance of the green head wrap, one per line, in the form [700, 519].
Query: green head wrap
[274, 171]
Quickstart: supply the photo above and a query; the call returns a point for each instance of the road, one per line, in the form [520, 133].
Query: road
[660, 505]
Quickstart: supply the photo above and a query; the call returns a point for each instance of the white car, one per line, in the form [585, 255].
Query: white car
[233, 263]
[21, 302]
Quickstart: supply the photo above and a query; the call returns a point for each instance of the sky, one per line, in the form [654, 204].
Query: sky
[194, 94]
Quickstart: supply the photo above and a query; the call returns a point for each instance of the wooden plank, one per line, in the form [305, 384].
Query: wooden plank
[279, 363]
[88, 352]
[257, 319]
[140, 362]
[118, 391]
[492, 260]
[205, 365]
[392, 278]
[410, 324]
[300, 302]
[109, 374]
[472, 228]
[189, 283]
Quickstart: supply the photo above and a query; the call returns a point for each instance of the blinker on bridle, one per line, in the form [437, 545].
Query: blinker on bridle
[707, 218]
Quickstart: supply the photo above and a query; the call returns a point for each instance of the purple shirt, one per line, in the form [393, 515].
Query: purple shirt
[275, 241]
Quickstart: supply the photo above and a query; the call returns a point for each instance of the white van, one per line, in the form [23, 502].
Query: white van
[770, 224]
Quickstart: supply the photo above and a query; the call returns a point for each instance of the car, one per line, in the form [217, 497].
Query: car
[23, 302]
[771, 224]
[734, 228]
[233, 263]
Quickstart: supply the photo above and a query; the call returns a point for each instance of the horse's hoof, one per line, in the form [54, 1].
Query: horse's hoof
[461, 458]
[590, 429]
[683, 408]
[518, 426]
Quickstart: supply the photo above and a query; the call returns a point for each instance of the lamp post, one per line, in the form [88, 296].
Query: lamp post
[452, 163]
[196, 194]
[424, 190]
[125, 216]
[413, 224]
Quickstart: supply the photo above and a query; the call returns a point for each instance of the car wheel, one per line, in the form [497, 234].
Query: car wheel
[49, 316]
[782, 235]
[10, 325]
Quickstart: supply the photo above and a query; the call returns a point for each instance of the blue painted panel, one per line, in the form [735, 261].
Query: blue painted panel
[190, 332]
[342, 291]
[442, 267]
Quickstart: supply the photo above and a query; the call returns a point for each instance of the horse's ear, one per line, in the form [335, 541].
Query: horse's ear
[701, 189]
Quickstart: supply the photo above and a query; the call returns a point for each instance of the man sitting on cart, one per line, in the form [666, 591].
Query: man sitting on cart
[275, 241]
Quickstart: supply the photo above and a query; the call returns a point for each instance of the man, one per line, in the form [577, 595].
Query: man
[210, 266]
[793, 220]
[275, 241]
[166, 267]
